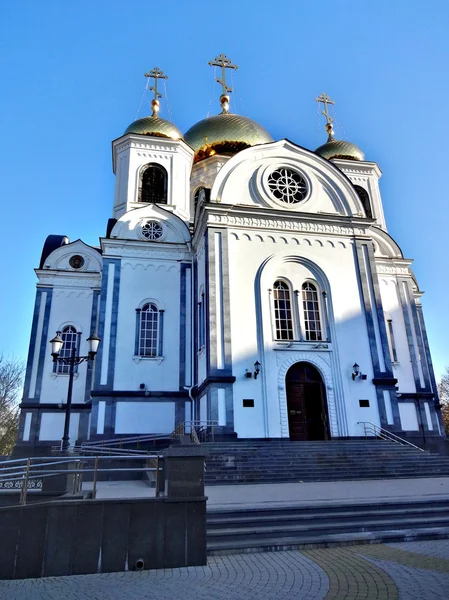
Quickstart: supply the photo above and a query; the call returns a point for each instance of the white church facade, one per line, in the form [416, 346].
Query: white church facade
[241, 280]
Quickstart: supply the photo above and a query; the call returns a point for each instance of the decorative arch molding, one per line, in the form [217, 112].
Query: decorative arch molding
[324, 368]
[329, 368]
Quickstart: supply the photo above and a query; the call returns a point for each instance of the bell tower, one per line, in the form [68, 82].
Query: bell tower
[152, 162]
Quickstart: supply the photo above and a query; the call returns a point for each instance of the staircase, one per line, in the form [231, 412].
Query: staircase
[283, 528]
[281, 461]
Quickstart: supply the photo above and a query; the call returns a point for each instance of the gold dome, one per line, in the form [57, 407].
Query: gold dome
[225, 133]
[340, 149]
[156, 126]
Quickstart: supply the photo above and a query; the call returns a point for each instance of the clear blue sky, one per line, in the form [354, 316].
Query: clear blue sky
[72, 80]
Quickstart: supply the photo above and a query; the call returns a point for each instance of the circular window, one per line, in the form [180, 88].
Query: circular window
[76, 261]
[152, 230]
[287, 185]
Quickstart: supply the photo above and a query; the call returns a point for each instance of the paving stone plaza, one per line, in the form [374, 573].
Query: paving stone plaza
[405, 571]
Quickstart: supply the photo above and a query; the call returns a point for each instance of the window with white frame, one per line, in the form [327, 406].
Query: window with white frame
[149, 325]
[311, 311]
[283, 318]
[70, 337]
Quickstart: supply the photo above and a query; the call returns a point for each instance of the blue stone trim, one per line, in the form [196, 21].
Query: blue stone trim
[91, 365]
[43, 343]
[109, 417]
[161, 333]
[207, 289]
[380, 312]
[195, 323]
[365, 297]
[226, 302]
[29, 368]
[366, 303]
[182, 323]
[435, 414]
[137, 333]
[211, 318]
[94, 417]
[419, 338]
[408, 330]
[114, 320]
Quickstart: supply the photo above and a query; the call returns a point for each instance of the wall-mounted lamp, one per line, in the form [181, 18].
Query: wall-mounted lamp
[356, 372]
[249, 374]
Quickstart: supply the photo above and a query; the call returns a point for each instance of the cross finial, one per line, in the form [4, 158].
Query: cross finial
[325, 100]
[225, 63]
[155, 74]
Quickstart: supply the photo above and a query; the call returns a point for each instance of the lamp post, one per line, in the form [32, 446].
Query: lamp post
[56, 345]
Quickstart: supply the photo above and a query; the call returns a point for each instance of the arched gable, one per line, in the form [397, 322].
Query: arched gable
[86, 258]
[133, 225]
[245, 176]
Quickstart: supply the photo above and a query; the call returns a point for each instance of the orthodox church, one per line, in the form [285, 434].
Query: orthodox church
[241, 280]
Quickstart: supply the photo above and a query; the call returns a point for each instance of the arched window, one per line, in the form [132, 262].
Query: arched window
[153, 184]
[282, 311]
[70, 336]
[364, 197]
[149, 331]
[311, 307]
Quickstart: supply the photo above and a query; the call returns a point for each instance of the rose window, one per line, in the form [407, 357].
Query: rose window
[287, 185]
[152, 230]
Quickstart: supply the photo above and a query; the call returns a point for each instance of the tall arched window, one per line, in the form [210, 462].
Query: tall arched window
[153, 184]
[311, 307]
[282, 311]
[364, 197]
[149, 330]
[71, 339]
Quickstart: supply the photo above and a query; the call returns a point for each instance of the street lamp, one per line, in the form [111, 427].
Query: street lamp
[56, 346]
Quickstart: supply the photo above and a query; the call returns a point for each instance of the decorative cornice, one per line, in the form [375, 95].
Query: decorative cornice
[284, 225]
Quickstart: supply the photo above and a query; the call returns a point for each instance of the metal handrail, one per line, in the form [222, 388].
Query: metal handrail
[384, 434]
[38, 468]
[195, 428]
[126, 440]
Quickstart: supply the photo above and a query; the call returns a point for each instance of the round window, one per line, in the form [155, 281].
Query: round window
[152, 231]
[287, 186]
[76, 261]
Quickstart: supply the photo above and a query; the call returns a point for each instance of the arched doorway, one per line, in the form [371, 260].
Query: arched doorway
[306, 403]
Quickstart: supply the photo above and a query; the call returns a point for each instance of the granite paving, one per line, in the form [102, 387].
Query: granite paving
[405, 571]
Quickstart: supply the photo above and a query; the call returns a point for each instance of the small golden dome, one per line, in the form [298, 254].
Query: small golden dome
[155, 126]
[340, 149]
[225, 133]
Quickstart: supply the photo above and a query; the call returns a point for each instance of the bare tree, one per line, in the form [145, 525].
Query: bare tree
[443, 392]
[11, 377]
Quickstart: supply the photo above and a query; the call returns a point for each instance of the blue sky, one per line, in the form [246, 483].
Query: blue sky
[72, 75]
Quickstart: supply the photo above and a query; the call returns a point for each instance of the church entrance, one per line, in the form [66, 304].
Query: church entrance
[306, 403]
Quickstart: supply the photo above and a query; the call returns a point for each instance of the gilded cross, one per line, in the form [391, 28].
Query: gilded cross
[325, 100]
[225, 63]
[156, 74]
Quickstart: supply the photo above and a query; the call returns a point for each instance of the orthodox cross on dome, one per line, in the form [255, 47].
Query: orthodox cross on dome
[225, 63]
[324, 99]
[155, 74]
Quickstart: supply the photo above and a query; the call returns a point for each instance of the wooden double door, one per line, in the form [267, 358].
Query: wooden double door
[306, 403]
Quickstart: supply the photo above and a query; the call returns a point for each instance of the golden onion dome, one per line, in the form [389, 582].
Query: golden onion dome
[156, 126]
[225, 133]
[338, 148]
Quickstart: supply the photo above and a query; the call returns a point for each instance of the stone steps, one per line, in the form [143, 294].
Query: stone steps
[246, 530]
[271, 461]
